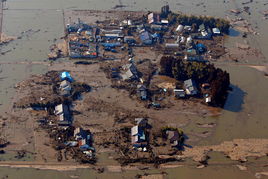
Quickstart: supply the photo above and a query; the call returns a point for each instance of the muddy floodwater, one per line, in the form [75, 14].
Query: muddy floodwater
[38, 23]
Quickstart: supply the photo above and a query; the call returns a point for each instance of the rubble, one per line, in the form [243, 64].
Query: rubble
[3, 142]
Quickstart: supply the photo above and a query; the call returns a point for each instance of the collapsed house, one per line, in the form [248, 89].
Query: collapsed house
[65, 88]
[146, 38]
[131, 72]
[153, 18]
[175, 138]
[84, 139]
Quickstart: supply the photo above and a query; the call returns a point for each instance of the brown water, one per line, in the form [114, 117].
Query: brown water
[220, 172]
[246, 111]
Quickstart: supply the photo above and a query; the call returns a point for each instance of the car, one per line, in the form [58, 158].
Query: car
[107, 49]
[113, 50]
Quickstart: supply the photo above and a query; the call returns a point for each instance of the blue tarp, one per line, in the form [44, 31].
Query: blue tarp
[84, 147]
[201, 48]
[66, 76]
[111, 45]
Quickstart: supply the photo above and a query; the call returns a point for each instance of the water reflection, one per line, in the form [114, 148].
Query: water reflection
[235, 99]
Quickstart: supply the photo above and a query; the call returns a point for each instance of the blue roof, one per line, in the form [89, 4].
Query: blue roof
[142, 135]
[84, 147]
[200, 45]
[66, 75]
[201, 48]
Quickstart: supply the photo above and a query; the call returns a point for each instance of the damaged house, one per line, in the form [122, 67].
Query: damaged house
[131, 72]
[175, 138]
[190, 87]
[146, 38]
[65, 88]
[138, 134]
[64, 115]
[84, 139]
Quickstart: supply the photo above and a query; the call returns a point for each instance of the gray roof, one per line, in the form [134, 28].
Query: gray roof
[141, 88]
[134, 130]
[128, 75]
[61, 109]
[191, 86]
[188, 83]
[65, 85]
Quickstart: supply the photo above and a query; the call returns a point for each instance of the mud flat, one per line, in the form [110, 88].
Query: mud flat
[238, 149]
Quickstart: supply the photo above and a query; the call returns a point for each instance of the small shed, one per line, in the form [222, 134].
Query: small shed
[179, 93]
[164, 22]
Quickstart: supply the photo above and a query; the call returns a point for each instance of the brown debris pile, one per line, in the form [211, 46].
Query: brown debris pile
[42, 91]
[119, 113]
[38, 91]
[58, 50]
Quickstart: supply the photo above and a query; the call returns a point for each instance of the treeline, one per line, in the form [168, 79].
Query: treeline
[181, 70]
[195, 21]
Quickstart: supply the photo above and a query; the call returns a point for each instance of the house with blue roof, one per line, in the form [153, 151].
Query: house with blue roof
[66, 76]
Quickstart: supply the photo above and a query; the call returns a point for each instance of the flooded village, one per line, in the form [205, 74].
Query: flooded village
[134, 93]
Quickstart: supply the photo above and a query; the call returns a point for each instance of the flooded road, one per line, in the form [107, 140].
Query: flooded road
[39, 22]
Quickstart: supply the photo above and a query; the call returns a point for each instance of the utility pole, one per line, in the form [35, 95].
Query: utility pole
[1, 17]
